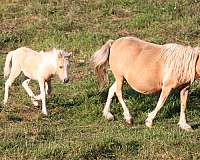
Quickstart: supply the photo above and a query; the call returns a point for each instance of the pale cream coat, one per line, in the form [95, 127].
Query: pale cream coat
[148, 68]
[40, 66]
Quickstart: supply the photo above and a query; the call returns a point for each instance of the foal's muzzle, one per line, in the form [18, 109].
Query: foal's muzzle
[66, 80]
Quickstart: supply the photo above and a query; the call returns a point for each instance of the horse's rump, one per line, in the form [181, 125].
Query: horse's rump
[180, 61]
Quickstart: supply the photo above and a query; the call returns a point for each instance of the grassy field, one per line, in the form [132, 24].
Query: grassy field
[75, 128]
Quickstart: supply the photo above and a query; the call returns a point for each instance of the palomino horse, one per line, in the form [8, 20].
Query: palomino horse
[39, 66]
[147, 68]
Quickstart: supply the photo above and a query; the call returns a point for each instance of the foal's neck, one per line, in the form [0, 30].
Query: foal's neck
[50, 59]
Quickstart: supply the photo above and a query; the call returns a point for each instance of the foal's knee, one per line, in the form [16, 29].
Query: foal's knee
[8, 83]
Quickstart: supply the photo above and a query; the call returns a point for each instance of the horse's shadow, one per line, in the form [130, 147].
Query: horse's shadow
[148, 102]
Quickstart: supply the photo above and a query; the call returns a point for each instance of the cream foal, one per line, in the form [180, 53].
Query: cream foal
[40, 66]
[147, 68]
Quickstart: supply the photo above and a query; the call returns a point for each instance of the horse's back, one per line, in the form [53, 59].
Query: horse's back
[139, 62]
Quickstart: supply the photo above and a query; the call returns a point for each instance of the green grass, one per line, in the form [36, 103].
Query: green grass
[75, 127]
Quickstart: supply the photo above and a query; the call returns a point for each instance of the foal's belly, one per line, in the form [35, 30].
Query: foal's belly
[30, 74]
[30, 69]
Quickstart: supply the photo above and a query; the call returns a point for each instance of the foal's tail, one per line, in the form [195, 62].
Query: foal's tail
[7, 67]
[100, 62]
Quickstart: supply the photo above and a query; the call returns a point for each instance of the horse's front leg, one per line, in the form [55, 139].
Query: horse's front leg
[42, 95]
[182, 122]
[163, 96]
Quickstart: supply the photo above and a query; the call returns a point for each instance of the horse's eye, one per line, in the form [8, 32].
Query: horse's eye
[60, 67]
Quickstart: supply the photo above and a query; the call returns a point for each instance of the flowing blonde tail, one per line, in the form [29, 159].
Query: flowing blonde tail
[100, 62]
[7, 67]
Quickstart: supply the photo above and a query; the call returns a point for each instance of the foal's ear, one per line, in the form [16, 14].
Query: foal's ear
[60, 55]
[68, 54]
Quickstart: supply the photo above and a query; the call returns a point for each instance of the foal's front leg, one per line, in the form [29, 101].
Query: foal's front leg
[42, 95]
[48, 90]
[48, 87]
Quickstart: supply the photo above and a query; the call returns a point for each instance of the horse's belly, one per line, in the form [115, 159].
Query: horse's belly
[143, 83]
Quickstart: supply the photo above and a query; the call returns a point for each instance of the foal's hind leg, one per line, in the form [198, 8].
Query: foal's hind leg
[163, 96]
[15, 71]
[29, 91]
[106, 111]
[119, 83]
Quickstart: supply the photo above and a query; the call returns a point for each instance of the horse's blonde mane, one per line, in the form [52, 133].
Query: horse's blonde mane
[180, 61]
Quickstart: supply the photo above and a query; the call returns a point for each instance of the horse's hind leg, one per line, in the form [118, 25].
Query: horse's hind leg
[29, 91]
[15, 71]
[163, 96]
[119, 83]
[106, 111]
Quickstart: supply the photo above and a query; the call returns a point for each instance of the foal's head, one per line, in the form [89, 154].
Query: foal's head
[62, 69]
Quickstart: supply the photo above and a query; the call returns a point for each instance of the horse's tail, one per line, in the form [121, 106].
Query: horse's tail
[100, 62]
[8, 65]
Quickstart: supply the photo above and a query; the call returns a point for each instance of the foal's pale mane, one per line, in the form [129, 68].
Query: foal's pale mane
[180, 61]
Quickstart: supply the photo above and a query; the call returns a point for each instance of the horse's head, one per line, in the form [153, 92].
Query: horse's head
[62, 69]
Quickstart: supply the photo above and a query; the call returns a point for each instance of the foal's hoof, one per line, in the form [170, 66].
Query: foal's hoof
[44, 113]
[4, 102]
[148, 124]
[108, 116]
[35, 103]
[129, 120]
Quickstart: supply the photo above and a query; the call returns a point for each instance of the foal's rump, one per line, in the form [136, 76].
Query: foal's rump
[23, 58]
[7, 66]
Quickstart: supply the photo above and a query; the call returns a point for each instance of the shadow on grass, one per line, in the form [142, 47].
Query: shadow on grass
[59, 100]
[110, 149]
[146, 103]
[196, 126]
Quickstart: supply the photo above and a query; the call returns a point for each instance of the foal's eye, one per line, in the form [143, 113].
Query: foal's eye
[60, 67]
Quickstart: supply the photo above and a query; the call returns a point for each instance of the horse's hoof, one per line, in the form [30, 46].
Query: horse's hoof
[189, 129]
[148, 124]
[108, 116]
[186, 127]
